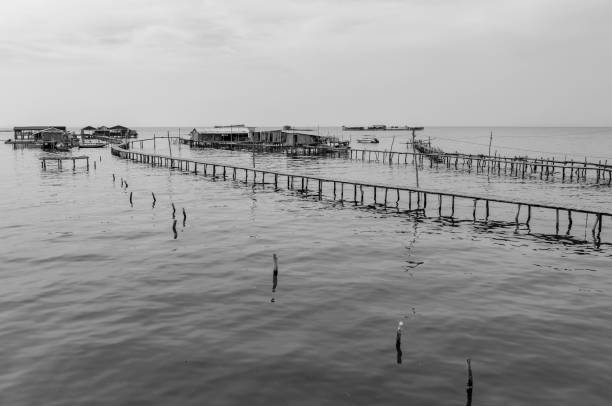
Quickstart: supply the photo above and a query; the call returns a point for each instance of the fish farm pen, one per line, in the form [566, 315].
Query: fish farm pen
[402, 199]
[522, 167]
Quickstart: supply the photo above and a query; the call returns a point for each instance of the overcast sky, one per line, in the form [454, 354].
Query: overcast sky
[306, 62]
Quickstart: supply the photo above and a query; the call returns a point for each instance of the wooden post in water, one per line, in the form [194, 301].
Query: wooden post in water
[470, 383]
[416, 169]
[169, 148]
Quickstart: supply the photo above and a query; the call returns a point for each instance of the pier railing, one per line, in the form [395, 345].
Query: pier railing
[381, 195]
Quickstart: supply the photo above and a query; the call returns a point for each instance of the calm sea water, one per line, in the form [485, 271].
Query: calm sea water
[100, 304]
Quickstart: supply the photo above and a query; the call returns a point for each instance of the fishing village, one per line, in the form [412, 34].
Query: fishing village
[297, 203]
[420, 155]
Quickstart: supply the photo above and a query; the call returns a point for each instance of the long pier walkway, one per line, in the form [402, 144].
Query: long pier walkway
[521, 167]
[380, 195]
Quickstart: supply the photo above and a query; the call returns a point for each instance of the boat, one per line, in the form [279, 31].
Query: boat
[347, 128]
[92, 145]
[368, 140]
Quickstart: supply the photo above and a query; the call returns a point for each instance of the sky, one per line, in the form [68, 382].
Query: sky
[306, 62]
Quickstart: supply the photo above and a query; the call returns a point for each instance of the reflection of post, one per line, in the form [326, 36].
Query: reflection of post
[470, 383]
[416, 165]
[274, 277]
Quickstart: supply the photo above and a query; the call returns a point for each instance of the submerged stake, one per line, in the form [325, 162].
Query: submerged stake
[131, 199]
[274, 277]
[398, 342]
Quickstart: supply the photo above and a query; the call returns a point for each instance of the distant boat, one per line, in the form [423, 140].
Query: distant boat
[368, 140]
[347, 128]
[92, 145]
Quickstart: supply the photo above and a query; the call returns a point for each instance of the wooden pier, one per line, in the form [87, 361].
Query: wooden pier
[520, 167]
[60, 159]
[380, 195]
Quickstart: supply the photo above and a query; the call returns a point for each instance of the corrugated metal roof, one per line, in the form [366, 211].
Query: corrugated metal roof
[38, 127]
[51, 130]
[232, 130]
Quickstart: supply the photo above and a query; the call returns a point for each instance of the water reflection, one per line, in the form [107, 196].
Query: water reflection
[174, 229]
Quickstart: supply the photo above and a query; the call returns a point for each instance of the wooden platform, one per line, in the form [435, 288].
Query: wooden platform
[60, 159]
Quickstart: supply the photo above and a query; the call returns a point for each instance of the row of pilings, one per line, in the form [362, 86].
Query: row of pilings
[520, 167]
[416, 200]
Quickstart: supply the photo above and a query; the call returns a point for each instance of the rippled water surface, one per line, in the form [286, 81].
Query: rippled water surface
[100, 304]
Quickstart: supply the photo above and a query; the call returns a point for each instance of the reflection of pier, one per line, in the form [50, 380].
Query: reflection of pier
[380, 195]
[521, 167]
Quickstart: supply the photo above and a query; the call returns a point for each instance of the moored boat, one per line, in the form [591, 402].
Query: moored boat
[92, 145]
[368, 140]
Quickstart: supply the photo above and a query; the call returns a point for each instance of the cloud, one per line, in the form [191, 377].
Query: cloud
[510, 58]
